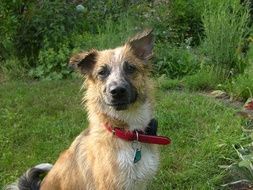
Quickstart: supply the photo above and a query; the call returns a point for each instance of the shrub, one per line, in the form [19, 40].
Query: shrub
[176, 21]
[52, 64]
[53, 21]
[99, 11]
[226, 25]
[8, 25]
[175, 62]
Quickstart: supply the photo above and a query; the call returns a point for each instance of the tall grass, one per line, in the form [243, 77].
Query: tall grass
[13, 69]
[226, 26]
[112, 34]
[241, 87]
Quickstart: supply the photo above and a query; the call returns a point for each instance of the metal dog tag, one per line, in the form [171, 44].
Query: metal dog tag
[137, 149]
[137, 155]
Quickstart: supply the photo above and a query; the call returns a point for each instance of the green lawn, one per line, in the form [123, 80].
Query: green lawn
[40, 119]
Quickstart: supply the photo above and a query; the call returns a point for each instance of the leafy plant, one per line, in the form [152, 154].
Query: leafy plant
[53, 21]
[8, 26]
[52, 64]
[242, 170]
[175, 62]
[176, 21]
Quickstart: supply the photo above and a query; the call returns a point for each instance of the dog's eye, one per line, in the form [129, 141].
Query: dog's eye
[129, 69]
[103, 72]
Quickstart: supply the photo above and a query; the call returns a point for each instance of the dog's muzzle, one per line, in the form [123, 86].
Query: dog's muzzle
[119, 96]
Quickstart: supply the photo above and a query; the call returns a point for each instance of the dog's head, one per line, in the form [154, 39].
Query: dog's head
[117, 77]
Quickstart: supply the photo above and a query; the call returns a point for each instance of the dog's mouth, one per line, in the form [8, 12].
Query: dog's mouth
[118, 105]
[120, 101]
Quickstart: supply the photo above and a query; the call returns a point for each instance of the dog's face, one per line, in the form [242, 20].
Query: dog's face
[116, 77]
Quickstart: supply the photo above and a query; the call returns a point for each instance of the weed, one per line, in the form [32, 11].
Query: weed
[241, 171]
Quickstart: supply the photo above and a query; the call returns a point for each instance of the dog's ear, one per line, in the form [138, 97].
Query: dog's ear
[142, 44]
[84, 61]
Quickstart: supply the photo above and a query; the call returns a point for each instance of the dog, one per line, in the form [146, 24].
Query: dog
[119, 149]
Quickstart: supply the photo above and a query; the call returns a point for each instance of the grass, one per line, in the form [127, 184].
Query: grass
[226, 26]
[40, 119]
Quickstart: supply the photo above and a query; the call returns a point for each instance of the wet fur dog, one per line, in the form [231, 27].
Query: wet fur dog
[118, 92]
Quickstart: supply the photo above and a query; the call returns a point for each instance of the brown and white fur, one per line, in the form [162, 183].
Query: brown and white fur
[119, 92]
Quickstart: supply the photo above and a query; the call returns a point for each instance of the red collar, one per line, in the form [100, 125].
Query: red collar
[138, 136]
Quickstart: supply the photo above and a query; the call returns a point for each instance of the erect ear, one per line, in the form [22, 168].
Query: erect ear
[142, 44]
[84, 61]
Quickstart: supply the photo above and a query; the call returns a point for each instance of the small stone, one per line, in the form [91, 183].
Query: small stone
[219, 94]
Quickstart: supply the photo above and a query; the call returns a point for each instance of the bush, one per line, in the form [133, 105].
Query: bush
[226, 26]
[175, 62]
[31, 30]
[52, 64]
[8, 26]
[177, 21]
[99, 11]
[53, 21]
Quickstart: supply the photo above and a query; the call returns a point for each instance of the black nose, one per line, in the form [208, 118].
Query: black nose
[117, 91]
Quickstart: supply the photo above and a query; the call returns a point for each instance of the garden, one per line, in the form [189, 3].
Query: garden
[202, 70]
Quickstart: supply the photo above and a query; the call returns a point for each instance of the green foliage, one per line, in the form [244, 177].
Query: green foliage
[107, 36]
[52, 21]
[246, 159]
[226, 25]
[242, 85]
[100, 10]
[241, 171]
[8, 26]
[185, 20]
[178, 20]
[33, 30]
[175, 62]
[52, 64]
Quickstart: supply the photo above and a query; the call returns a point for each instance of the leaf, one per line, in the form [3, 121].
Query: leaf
[245, 163]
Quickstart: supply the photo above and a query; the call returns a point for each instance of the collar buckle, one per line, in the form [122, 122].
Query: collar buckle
[113, 131]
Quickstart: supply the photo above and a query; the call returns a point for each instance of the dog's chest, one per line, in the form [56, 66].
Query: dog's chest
[136, 175]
